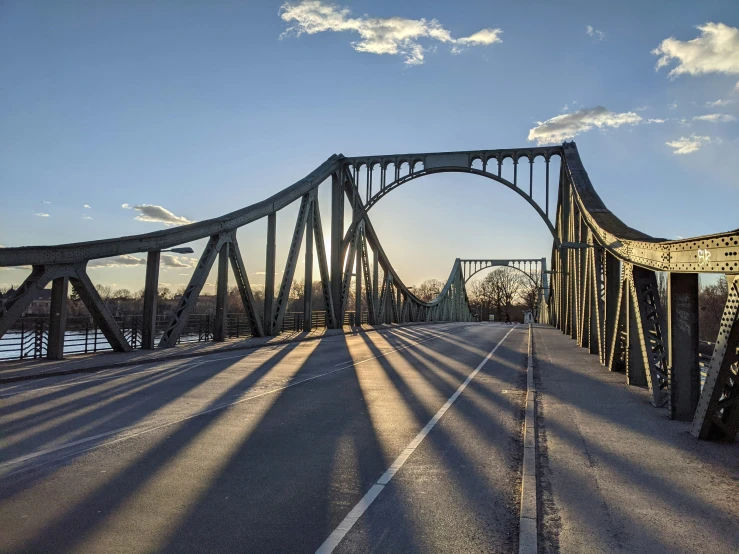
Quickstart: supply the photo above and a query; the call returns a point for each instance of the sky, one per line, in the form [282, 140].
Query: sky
[121, 118]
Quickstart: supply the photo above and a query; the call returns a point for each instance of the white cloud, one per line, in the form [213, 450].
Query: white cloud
[87, 206]
[720, 102]
[655, 120]
[156, 214]
[40, 214]
[687, 145]
[595, 33]
[641, 109]
[736, 87]
[390, 35]
[85, 216]
[177, 261]
[568, 125]
[126, 260]
[715, 51]
[45, 202]
[715, 118]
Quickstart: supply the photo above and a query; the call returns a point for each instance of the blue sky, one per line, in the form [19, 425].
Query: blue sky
[204, 107]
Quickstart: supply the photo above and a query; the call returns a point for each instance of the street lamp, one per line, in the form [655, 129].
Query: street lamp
[185, 250]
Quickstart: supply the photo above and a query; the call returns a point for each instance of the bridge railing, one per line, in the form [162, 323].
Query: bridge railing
[604, 293]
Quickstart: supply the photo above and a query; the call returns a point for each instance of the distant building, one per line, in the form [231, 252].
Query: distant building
[41, 304]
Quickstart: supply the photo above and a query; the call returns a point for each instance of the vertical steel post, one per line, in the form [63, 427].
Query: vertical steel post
[612, 289]
[58, 318]
[375, 284]
[151, 287]
[269, 277]
[636, 371]
[682, 332]
[358, 286]
[337, 236]
[219, 325]
[308, 284]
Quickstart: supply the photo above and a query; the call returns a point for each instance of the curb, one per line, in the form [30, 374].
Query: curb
[527, 536]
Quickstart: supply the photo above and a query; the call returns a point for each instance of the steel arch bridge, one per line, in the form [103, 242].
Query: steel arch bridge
[603, 290]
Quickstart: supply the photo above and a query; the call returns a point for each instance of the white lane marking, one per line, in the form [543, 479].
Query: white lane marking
[348, 522]
[527, 535]
[46, 451]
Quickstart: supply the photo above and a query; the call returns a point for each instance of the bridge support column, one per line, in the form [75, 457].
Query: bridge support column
[151, 294]
[269, 277]
[636, 372]
[219, 327]
[337, 236]
[58, 318]
[358, 285]
[612, 287]
[308, 283]
[375, 285]
[684, 361]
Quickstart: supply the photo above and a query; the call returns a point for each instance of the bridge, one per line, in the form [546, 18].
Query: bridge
[274, 466]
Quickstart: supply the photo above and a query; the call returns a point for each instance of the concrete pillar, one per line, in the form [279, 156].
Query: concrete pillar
[151, 290]
[219, 327]
[269, 277]
[308, 285]
[337, 235]
[682, 332]
[58, 318]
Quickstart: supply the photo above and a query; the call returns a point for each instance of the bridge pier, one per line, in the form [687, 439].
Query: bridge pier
[684, 362]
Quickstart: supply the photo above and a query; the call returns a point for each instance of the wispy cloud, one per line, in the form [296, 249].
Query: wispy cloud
[389, 35]
[40, 214]
[688, 145]
[715, 51]
[569, 125]
[87, 206]
[156, 214]
[672, 106]
[126, 260]
[715, 118]
[720, 102]
[655, 120]
[85, 216]
[45, 202]
[595, 33]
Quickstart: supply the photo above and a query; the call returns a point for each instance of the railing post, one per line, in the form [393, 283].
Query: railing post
[148, 327]
[58, 318]
[219, 326]
[269, 277]
[682, 329]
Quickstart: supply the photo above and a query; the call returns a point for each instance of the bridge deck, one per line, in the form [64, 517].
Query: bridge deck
[616, 474]
[268, 450]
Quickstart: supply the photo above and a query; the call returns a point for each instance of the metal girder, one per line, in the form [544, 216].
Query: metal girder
[219, 323]
[190, 297]
[291, 264]
[369, 284]
[269, 275]
[651, 325]
[151, 290]
[14, 307]
[323, 265]
[308, 280]
[337, 235]
[242, 282]
[684, 356]
[98, 310]
[717, 415]
[58, 318]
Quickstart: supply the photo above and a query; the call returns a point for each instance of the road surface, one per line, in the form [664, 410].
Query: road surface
[275, 449]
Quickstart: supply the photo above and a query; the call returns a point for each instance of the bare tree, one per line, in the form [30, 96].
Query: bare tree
[428, 290]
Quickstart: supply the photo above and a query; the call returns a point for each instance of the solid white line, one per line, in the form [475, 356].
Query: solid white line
[348, 522]
[44, 452]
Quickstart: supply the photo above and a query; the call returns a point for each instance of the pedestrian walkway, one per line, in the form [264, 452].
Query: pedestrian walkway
[11, 371]
[615, 474]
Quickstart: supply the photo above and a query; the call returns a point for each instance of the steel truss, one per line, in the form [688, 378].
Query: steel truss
[602, 290]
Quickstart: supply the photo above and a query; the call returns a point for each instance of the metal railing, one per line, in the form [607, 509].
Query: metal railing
[29, 337]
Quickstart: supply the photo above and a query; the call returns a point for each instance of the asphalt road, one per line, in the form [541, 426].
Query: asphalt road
[270, 450]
